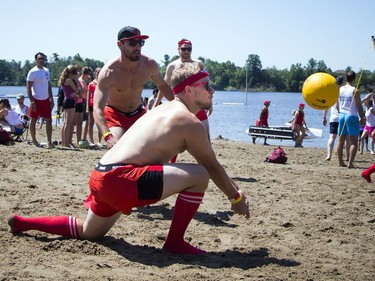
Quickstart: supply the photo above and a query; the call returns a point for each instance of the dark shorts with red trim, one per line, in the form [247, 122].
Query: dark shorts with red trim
[117, 118]
[120, 187]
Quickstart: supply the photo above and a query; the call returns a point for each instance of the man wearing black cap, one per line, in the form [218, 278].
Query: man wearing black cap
[117, 103]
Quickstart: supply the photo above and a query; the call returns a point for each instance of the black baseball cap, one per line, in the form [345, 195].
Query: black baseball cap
[129, 32]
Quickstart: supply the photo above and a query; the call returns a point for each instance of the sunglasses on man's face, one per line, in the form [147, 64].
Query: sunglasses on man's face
[207, 85]
[134, 42]
[186, 49]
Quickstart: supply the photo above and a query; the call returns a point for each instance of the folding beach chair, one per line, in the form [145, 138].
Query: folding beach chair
[20, 136]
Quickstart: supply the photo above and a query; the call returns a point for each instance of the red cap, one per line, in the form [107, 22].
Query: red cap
[266, 102]
[301, 105]
[184, 42]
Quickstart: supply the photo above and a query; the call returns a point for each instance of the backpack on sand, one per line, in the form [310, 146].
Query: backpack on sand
[5, 137]
[277, 156]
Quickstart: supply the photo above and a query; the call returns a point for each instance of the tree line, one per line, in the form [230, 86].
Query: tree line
[225, 76]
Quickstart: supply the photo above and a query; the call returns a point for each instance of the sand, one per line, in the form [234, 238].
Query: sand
[310, 220]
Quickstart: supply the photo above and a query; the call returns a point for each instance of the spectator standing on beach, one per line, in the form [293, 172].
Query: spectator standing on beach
[117, 102]
[152, 100]
[69, 83]
[299, 125]
[21, 108]
[333, 127]
[81, 102]
[40, 95]
[90, 108]
[369, 129]
[262, 121]
[85, 79]
[361, 142]
[136, 172]
[350, 107]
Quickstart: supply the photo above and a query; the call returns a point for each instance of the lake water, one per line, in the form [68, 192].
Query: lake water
[235, 111]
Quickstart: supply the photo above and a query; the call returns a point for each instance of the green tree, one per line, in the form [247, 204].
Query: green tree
[254, 67]
[296, 78]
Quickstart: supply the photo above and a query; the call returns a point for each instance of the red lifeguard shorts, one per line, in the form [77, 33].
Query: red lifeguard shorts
[125, 120]
[120, 187]
[43, 109]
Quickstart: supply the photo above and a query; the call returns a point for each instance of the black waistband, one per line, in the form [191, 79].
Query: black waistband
[109, 167]
[127, 114]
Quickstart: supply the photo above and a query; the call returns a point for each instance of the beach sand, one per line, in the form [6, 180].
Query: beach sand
[310, 220]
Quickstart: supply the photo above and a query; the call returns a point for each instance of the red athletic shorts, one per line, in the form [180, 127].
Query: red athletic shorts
[43, 109]
[125, 120]
[120, 187]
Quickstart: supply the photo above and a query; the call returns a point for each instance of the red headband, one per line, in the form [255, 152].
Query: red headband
[189, 81]
[182, 42]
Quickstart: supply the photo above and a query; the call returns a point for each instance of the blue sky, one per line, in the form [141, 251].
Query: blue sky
[282, 33]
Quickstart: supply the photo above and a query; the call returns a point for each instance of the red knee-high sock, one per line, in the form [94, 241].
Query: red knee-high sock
[187, 204]
[61, 225]
[367, 173]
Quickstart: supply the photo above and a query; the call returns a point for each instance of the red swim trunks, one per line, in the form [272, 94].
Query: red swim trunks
[125, 120]
[43, 109]
[119, 187]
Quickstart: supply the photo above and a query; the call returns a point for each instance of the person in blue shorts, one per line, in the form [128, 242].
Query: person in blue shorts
[350, 107]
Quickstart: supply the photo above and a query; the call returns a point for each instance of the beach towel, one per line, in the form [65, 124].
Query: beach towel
[277, 156]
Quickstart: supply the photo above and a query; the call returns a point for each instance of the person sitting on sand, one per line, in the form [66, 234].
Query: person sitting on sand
[136, 171]
[11, 117]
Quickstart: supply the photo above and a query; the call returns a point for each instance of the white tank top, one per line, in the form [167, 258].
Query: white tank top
[334, 116]
[347, 102]
[370, 118]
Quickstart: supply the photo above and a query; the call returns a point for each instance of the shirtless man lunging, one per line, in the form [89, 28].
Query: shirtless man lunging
[117, 100]
[136, 172]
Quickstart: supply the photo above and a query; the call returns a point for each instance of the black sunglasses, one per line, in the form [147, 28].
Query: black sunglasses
[134, 42]
[207, 85]
[186, 49]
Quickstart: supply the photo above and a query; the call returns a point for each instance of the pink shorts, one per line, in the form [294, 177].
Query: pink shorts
[125, 120]
[43, 109]
[369, 129]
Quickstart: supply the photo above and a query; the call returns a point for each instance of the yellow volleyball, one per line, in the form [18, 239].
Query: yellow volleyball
[320, 90]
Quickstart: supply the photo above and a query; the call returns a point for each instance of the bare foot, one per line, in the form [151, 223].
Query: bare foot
[342, 164]
[50, 145]
[328, 158]
[36, 144]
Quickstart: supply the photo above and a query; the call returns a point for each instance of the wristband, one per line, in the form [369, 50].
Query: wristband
[235, 201]
[107, 135]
